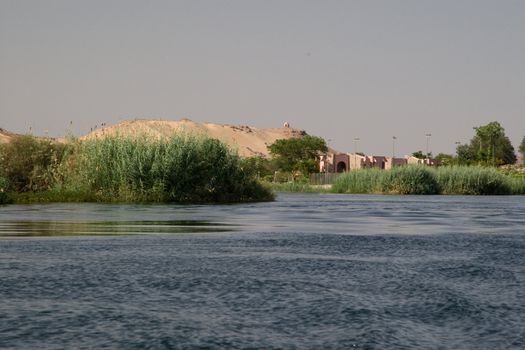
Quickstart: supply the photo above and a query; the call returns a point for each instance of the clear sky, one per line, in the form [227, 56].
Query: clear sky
[338, 69]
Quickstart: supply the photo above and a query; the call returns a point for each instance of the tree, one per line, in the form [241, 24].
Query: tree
[489, 146]
[421, 155]
[257, 166]
[298, 154]
[446, 159]
[465, 155]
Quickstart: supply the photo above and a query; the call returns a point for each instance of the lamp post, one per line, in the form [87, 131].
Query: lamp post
[428, 135]
[326, 157]
[393, 147]
[356, 139]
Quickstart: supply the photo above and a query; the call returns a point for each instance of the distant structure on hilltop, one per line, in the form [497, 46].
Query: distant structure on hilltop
[341, 162]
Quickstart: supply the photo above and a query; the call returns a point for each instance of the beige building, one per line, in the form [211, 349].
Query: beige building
[411, 160]
[341, 162]
[359, 161]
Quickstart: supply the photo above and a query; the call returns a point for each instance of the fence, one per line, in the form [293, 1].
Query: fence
[323, 178]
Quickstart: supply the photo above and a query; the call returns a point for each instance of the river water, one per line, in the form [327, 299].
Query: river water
[308, 271]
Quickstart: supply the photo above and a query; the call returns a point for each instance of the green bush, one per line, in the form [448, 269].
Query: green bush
[178, 169]
[29, 163]
[3, 190]
[410, 180]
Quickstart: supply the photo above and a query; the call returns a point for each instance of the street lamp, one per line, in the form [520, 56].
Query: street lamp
[356, 139]
[393, 147]
[428, 135]
[326, 156]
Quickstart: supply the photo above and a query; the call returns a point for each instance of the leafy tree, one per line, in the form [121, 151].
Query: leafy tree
[419, 155]
[489, 145]
[446, 159]
[298, 154]
[465, 155]
[258, 166]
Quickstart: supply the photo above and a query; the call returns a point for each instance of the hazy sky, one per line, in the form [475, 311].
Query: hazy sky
[338, 69]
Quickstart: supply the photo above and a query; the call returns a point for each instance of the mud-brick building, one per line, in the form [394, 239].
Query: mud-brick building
[341, 162]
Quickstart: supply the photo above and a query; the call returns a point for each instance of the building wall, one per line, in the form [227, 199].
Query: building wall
[358, 161]
[393, 162]
[341, 159]
[379, 162]
[329, 162]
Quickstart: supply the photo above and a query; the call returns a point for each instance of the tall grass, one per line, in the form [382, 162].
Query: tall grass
[472, 180]
[296, 186]
[459, 180]
[3, 190]
[360, 181]
[517, 185]
[178, 169]
[410, 180]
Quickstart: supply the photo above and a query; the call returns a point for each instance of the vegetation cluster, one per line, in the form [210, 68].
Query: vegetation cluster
[475, 170]
[183, 168]
[489, 147]
[457, 180]
[189, 169]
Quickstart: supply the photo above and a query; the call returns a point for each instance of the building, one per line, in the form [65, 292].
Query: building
[411, 160]
[341, 162]
[393, 162]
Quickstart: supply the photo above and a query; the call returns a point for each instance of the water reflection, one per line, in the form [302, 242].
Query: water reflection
[107, 228]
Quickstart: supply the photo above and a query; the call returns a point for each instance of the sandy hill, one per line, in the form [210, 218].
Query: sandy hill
[5, 136]
[247, 140]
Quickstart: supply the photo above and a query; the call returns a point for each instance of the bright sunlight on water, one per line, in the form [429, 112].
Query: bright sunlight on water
[307, 271]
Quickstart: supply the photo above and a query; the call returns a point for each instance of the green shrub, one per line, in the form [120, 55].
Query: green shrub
[29, 163]
[410, 180]
[4, 188]
[177, 169]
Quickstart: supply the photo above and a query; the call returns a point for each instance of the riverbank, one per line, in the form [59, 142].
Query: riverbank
[179, 169]
[459, 180]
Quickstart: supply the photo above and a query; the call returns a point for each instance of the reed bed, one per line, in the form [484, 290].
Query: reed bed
[297, 186]
[410, 180]
[3, 190]
[181, 168]
[472, 180]
[517, 185]
[458, 180]
[360, 181]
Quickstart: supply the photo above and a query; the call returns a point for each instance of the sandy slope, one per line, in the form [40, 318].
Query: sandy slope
[5, 136]
[247, 140]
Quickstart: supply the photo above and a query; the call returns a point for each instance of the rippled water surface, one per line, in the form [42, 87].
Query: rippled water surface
[308, 271]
